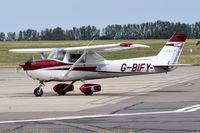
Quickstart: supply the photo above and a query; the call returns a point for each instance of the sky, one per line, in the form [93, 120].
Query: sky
[18, 15]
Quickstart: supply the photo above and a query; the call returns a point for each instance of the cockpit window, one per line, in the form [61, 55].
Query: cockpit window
[75, 57]
[57, 54]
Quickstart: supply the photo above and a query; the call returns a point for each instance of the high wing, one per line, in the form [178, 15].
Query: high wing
[106, 47]
[94, 48]
[32, 50]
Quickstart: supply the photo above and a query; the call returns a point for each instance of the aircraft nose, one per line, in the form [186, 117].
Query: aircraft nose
[25, 65]
[22, 65]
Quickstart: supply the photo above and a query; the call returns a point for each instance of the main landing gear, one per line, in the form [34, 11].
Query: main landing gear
[89, 89]
[38, 91]
[62, 89]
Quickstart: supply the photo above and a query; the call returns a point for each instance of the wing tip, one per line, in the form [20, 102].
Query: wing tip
[11, 50]
[134, 45]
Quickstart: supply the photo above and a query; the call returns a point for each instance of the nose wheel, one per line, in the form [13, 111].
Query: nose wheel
[38, 91]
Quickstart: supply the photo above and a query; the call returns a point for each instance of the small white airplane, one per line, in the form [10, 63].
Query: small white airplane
[83, 63]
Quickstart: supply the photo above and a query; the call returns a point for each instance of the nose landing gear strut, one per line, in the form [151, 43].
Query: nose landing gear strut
[38, 91]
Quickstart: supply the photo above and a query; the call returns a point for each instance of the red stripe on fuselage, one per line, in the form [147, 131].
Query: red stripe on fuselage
[39, 64]
[78, 69]
[169, 44]
[90, 69]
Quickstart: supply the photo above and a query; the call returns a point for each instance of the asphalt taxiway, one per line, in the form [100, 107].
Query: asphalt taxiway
[146, 103]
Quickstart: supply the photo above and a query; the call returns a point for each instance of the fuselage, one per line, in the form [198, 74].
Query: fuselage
[55, 70]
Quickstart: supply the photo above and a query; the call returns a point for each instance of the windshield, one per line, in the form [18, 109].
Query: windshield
[57, 54]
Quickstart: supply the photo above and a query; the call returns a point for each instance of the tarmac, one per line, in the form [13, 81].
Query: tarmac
[167, 102]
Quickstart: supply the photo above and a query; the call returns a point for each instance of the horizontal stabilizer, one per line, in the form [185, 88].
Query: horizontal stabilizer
[171, 65]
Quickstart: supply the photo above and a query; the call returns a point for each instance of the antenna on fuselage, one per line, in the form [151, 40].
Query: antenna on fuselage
[91, 41]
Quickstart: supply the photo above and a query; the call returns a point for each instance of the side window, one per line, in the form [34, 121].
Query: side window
[75, 57]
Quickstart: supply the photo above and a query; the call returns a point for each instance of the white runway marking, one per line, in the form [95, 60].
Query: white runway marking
[182, 110]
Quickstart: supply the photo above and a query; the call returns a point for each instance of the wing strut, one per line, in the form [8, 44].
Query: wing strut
[72, 67]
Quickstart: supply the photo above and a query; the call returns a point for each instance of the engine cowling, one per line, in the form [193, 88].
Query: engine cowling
[59, 87]
[88, 89]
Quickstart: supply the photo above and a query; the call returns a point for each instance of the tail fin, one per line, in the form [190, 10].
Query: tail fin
[170, 53]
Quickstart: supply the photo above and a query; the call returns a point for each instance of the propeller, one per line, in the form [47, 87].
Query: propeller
[25, 65]
[28, 63]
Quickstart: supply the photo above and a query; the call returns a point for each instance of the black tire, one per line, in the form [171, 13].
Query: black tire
[62, 92]
[38, 92]
[88, 93]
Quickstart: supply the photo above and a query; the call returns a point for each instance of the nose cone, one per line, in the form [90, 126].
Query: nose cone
[25, 65]
[22, 65]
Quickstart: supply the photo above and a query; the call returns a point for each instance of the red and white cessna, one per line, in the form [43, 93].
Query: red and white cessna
[83, 63]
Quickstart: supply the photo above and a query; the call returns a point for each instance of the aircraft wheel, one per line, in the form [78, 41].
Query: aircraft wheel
[88, 93]
[62, 92]
[38, 91]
